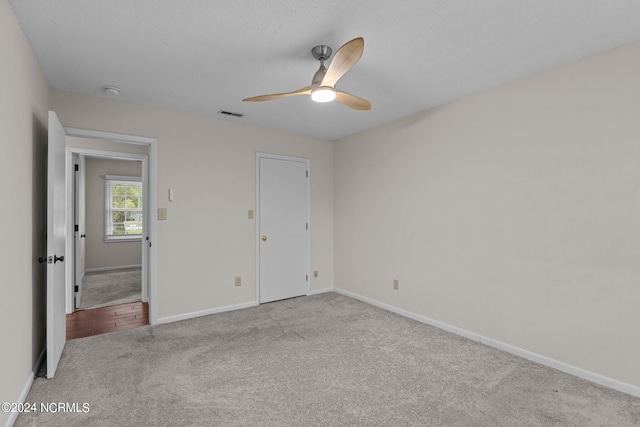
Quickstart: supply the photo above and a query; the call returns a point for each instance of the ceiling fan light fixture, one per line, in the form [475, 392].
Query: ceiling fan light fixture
[323, 94]
[323, 85]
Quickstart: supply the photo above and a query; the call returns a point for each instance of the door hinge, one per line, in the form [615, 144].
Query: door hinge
[307, 279]
[75, 288]
[77, 168]
[307, 174]
[75, 227]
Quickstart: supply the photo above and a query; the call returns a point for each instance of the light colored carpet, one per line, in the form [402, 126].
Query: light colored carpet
[323, 360]
[103, 288]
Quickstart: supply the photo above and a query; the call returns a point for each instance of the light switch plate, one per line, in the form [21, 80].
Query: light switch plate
[250, 214]
[162, 213]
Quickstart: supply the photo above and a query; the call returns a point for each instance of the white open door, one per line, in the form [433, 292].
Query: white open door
[56, 325]
[283, 216]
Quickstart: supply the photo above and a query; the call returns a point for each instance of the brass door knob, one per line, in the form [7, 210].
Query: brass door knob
[264, 238]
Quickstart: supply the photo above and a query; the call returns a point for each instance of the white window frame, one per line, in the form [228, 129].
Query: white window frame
[108, 179]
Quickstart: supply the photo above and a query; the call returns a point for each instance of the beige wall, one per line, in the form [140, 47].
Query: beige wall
[23, 121]
[98, 254]
[207, 239]
[513, 213]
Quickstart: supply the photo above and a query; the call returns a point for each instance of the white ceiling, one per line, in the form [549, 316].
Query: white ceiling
[202, 56]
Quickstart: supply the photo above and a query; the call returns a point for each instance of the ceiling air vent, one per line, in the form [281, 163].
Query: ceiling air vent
[229, 113]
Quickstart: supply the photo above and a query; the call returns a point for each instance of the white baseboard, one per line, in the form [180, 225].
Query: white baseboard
[543, 360]
[177, 317]
[13, 416]
[320, 291]
[118, 267]
[36, 367]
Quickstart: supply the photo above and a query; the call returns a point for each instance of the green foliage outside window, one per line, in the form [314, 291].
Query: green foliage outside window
[126, 208]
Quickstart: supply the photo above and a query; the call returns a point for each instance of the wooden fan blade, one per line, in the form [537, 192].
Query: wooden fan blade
[271, 97]
[345, 58]
[353, 101]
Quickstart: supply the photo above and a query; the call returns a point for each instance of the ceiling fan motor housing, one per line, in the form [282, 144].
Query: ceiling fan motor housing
[321, 53]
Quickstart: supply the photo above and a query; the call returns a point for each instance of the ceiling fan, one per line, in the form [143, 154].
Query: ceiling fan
[323, 85]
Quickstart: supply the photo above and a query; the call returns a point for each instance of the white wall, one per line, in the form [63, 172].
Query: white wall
[23, 122]
[513, 213]
[100, 255]
[208, 239]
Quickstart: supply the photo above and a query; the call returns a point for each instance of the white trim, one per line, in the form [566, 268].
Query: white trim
[149, 280]
[116, 155]
[257, 234]
[309, 225]
[260, 155]
[109, 136]
[69, 184]
[177, 317]
[149, 183]
[77, 241]
[109, 182]
[123, 178]
[117, 267]
[320, 291]
[127, 238]
[543, 360]
[39, 362]
[144, 158]
[13, 416]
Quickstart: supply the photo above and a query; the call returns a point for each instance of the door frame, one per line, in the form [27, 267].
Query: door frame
[75, 196]
[259, 156]
[149, 188]
[112, 155]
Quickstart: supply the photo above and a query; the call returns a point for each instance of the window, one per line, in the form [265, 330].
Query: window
[123, 208]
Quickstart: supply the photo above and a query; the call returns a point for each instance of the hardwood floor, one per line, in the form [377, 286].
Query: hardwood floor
[96, 321]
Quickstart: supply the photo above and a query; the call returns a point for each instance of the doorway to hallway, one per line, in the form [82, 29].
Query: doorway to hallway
[114, 287]
[113, 318]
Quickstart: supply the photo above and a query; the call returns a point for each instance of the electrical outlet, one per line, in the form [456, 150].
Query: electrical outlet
[238, 280]
[396, 284]
[315, 273]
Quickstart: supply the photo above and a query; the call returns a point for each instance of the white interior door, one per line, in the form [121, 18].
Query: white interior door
[283, 211]
[56, 326]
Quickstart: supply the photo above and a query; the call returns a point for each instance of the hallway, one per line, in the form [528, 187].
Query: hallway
[97, 321]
